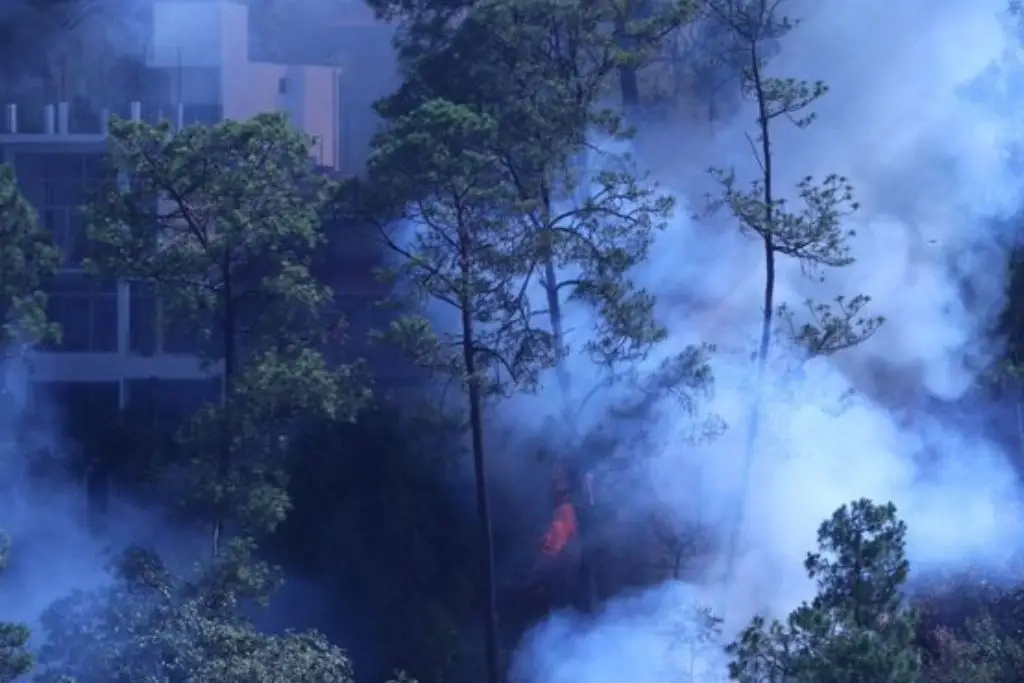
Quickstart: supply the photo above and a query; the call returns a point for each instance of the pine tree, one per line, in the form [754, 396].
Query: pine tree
[542, 70]
[222, 221]
[812, 232]
[461, 244]
[858, 628]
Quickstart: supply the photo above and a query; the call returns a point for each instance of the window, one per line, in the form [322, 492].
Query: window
[282, 85]
[86, 313]
[58, 185]
[181, 337]
[347, 159]
[207, 114]
[158, 402]
[143, 319]
[64, 225]
[90, 414]
[150, 329]
[83, 407]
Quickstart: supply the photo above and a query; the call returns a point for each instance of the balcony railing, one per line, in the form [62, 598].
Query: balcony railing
[77, 119]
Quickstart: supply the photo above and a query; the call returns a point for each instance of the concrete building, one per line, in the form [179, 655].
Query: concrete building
[197, 68]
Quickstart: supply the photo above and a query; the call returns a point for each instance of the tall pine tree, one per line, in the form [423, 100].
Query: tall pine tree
[461, 244]
[222, 222]
[858, 628]
[543, 72]
[810, 230]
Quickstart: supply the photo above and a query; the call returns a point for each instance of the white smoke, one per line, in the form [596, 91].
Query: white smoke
[920, 118]
[57, 549]
[45, 519]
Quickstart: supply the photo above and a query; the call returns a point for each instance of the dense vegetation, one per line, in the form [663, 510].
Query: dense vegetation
[496, 213]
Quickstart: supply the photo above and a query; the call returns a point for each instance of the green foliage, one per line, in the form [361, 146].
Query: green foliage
[970, 629]
[527, 48]
[1004, 375]
[984, 653]
[15, 658]
[224, 221]
[813, 231]
[465, 247]
[829, 328]
[682, 378]
[600, 238]
[273, 392]
[579, 220]
[491, 135]
[28, 262]
[814, 234]
[462, 244]
[539, 69]
[153, 626]
[375, 522]
[857, 628]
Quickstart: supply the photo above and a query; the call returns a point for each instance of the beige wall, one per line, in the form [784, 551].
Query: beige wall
[248, 89]
[198, 37]
[320, 111]
[310, 99]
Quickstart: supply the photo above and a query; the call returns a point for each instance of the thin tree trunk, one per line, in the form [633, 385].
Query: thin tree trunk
[558, 332]
[483, 505]
[582, 504]
[629, 86]
[754, 420]
[1020, 431]
[223, 470]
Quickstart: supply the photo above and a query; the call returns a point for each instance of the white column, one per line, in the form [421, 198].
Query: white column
[124, 312]
[50, 119]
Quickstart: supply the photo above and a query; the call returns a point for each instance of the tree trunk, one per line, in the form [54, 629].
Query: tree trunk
[483, 505]
[629, 86]
[223, 470]
[754, 421]
[1020, 431]
[581, 504]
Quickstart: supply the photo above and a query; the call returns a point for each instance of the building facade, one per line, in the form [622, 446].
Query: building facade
[114, 350]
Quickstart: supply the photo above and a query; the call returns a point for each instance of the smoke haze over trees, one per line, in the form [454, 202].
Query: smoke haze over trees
[599, 404]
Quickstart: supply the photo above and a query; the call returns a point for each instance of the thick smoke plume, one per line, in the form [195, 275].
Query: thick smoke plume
[920, 118]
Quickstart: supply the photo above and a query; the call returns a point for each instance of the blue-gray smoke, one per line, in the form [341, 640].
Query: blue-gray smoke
[921, 117]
